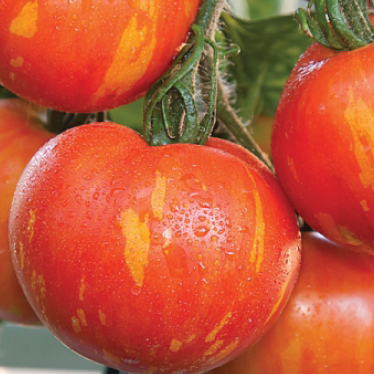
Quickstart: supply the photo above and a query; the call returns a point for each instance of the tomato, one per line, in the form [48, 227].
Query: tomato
[151, 259]
[328, 323]
[89, 56]
[21, 135]
[251, 160]
[323, 143]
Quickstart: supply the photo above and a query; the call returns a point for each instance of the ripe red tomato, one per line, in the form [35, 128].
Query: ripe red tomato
[21, 135]
[328, 323]
[151, 259]
[323, 143]
[89, 56]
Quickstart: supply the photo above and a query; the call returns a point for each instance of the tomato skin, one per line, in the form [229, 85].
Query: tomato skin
[328, 323]
[164, 258]
[251, 160]
[21, 135]
[89, 56]
[323, 143]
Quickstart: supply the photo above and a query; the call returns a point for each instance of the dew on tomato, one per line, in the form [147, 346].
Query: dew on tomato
[327, 325]
[329, 185]
[181, 259]
[21, 135]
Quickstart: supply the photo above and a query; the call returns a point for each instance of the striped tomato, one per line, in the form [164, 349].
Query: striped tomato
[88, 56]
[152, 259]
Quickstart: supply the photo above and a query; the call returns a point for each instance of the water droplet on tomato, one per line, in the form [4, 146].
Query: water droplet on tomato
[201, 231]
[114, 192]
[136, 289]
[231, 255]
[202, 266]
[243, 229]
[228, 222]
[174, 205]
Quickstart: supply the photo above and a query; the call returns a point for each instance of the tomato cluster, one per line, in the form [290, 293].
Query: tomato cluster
[178, 258]
[322, 147]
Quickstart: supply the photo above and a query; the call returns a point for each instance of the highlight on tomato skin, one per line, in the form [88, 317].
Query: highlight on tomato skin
[21, 135]
[323, 143]
[328, 323]
[170, 258]
[89, 56]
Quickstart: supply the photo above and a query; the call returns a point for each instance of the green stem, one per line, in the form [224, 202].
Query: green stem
[359, 21]
[337, 24]
[154, 132]
[195, 65]
[171, 113]
[325, 26]
[208, 15]
[209, 119]
[234, 125]
[351, 39]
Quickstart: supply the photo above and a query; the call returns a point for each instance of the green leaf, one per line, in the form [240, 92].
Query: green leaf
[130, 115]
[254, 9]
[261, 9]
[269, 50]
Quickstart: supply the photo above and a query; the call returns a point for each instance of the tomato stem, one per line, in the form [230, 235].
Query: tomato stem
[337, 24]
[175, 110]
[235, 126]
